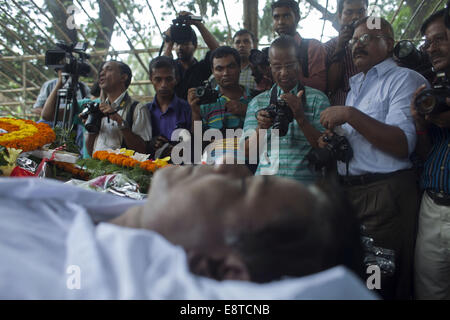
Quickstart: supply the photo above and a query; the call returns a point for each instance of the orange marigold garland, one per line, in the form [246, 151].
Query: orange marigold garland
[71, 168]
[128, 161]
[25, 134]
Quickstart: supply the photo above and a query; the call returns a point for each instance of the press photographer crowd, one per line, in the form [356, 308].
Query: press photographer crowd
[361, 121]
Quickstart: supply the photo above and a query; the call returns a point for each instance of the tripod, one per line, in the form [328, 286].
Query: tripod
[67, 100]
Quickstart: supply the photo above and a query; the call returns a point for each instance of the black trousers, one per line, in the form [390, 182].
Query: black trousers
[389, 209]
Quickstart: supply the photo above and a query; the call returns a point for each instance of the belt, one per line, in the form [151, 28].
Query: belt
[368, 178]
[441, 199]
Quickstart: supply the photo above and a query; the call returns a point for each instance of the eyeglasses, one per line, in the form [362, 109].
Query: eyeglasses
[365, 39]
[438, 40]
[289, 67]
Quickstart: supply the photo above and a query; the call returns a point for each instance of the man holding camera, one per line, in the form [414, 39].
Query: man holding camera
[192, 72]
[432, 259]
[229, 108]
[168, 112]
[339, 55]
[299, 112]
[313, 73]
[123, 122]
[376, 120]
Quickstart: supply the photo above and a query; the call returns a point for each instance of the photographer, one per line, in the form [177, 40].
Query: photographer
[304, 104]
[228, 110]
[339, 56]
[376, 120]
[192, 72]
[48, 109]
[168, 112]
[123, 122]
[432, 263]
[313, 73]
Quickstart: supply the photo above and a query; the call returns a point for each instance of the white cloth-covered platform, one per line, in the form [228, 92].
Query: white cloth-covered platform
[46, 227]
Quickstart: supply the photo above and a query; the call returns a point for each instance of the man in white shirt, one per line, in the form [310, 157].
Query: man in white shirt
[126, 122]
[379, 127]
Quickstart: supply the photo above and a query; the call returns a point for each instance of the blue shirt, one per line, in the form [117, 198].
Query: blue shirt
[384, 94]
[436, 171]
[178, 115]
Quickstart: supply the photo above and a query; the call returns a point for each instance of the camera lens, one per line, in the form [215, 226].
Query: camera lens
[404, 49]
[425, 103]
[200, 92]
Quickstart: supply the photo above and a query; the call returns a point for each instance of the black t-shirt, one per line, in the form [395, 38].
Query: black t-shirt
[194, 76]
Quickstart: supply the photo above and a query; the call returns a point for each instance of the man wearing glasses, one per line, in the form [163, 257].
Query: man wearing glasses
[305, 103]
[378, 124]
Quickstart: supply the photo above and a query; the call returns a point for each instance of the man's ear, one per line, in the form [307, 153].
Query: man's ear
[228, 267]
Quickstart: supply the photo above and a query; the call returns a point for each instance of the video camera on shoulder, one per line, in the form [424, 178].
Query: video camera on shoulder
[206, 93]
[432, 101]
[63, 59]
[282, 115]
[91, 112]
[180, 30]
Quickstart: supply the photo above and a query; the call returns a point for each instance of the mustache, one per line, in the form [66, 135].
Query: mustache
[360, 51]
[437, 55]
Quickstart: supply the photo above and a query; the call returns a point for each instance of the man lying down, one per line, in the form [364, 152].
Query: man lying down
[199, 224]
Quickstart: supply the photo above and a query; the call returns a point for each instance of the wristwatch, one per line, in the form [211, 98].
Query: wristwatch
[124, 125]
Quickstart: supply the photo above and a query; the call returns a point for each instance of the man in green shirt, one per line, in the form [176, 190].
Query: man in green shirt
[306, 103]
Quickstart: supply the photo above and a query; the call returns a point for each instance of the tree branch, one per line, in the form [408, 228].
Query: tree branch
[327, 15]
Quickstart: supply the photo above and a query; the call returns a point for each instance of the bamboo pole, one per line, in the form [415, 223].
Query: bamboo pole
[129, 40]
[412, 18]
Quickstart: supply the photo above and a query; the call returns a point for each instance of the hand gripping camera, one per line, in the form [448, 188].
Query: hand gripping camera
[337, 149]
[91, 112]
[432, 101]
[282, 115]
[180, 30]
[206, 93]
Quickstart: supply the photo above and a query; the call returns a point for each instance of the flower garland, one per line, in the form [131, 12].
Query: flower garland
[72, 169]
[125, 159]
[24, 134]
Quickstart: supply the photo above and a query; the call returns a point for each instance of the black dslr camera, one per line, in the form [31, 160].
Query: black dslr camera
[91, 112]
[206, 93]
[407, 55]
[282, 115]
[337, 149]
[63, 59]
[180, 30]
[432, 101]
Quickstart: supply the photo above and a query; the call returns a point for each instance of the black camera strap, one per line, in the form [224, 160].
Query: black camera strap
[303, 52]
[274, 94]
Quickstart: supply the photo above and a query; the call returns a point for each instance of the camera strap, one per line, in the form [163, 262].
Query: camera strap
[274, 94]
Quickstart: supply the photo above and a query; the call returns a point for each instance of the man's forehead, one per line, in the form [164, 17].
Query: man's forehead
[110, 64]
[243, 37]
[282, 10]
[223, 61]
[276, 53]
[436, 27]
[163, 72]
[354, 5]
